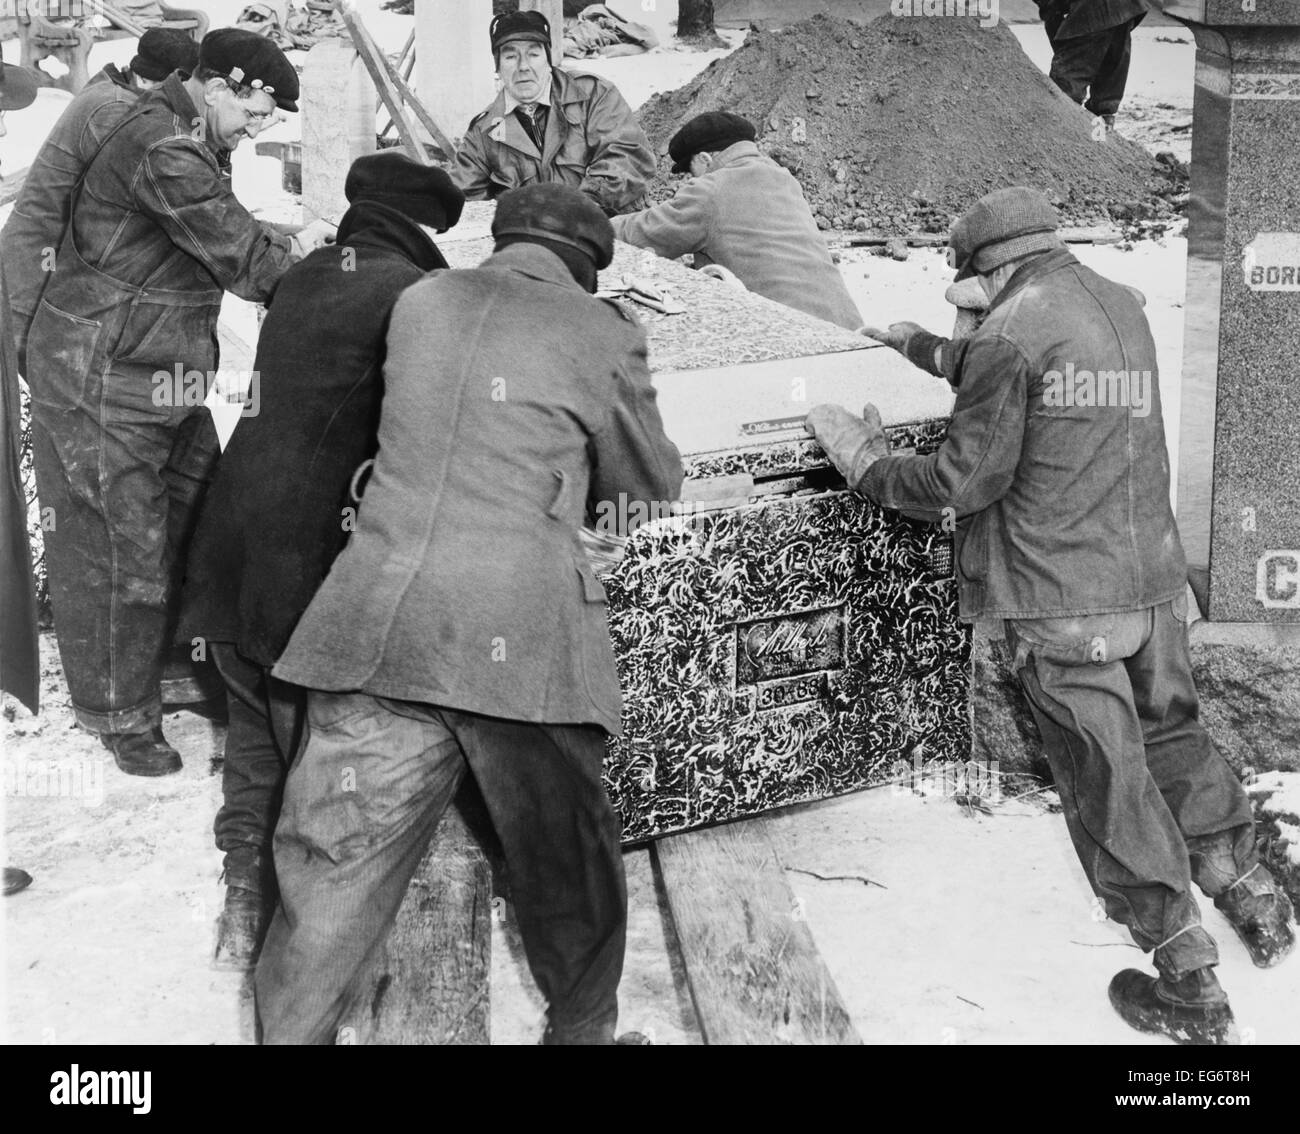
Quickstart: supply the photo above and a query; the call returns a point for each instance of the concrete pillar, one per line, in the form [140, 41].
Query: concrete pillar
[553, 10]
[1239, 448]
[454, 71]
[338, 124]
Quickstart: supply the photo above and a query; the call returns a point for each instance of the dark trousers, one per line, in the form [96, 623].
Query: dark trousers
[1092, 69]
[1149, 802]
[360, 807]
[122, 491]
[265, 722]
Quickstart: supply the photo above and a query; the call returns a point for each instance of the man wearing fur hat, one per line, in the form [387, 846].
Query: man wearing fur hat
[121, 441]
[742, 211]
[279, 508]
[35, 226]
[1056, 472]
[463, 629]
[548, 124]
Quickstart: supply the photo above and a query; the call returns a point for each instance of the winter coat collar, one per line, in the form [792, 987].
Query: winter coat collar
[535, 262]
[112, 74]
[173, 95]
[375, 225]
[735, 153]
[505, 128]
[1026, 274]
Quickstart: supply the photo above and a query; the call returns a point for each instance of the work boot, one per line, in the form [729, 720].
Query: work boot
[1192, 1010]
[1261, 914]
[142, 753]
[241, 928]
[246, 916]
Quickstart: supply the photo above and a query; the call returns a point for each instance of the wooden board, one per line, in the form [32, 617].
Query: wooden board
[432, 985]
[755, 974]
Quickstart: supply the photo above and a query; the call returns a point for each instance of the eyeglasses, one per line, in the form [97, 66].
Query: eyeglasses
[261, 117]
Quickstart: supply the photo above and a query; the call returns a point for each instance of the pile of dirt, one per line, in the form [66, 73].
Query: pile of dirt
[900, 124]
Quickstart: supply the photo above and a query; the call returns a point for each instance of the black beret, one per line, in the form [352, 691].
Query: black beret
[425, 193]
[162, 51]
[252, 60]
[510, 26]
[711, 131]
[556, 212]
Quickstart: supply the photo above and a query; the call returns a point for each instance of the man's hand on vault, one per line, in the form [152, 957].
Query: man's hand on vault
[853, 444]
[913, 342]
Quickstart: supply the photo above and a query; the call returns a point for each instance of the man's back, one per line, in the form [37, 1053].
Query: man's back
[512, 401]
[274, 517]
[765, 233]
[749, 215]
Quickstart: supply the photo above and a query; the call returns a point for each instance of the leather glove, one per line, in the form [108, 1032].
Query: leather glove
[912, 341]
[853, 444]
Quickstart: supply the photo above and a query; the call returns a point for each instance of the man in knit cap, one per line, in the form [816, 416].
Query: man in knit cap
[463, 629]
[1056, 475]
[739, 209]
[548, 124]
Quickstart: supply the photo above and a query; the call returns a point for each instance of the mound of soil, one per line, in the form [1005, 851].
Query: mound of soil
[902, 123]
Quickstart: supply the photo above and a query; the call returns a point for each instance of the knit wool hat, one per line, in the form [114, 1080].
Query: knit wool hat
[1000, 227]
[510, 26]
[708, 132]
[162, 51]
[425, 193]
[559, 213]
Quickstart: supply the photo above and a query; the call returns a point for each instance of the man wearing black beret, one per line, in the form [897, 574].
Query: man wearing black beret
[462, 628]
[548, 124]
[742, 211]
[122, 444]
[279, 509]
[40, 214]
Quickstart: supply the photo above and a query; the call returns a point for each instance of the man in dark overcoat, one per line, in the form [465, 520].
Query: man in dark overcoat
[279, 509]
[463, 628]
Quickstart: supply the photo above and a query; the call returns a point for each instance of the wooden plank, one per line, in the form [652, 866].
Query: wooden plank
[939, 239]
[432, 984]
[755, 974]
[379, 67]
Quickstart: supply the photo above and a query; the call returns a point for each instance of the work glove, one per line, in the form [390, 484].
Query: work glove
[853, 444]
[310, 237]
[913, 341]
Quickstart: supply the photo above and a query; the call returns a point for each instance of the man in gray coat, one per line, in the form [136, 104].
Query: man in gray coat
[463, 628]
[1056, 472]
[741, 210]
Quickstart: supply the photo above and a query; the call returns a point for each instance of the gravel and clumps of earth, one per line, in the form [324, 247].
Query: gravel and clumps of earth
[899, 125]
